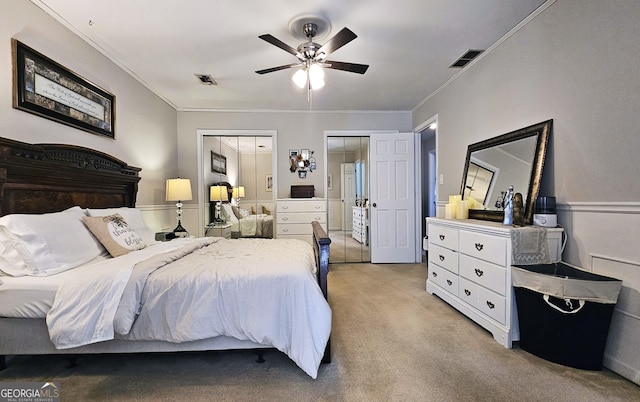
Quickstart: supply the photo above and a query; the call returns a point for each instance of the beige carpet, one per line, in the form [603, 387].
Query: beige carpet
[346, 249]
[391, 342]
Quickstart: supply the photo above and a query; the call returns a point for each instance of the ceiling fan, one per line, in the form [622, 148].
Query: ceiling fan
[312, 57]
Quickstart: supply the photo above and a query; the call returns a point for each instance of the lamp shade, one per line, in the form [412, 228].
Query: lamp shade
[178, 190]
[218, 193]
[238, 192]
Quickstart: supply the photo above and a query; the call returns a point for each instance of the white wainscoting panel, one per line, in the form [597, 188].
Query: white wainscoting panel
[622, 353]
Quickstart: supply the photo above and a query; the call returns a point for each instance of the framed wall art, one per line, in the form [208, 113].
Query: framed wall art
[45, 88]
[269, 183]
[218, 163]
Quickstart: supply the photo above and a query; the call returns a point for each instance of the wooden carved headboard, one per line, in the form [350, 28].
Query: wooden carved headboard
[41, 178]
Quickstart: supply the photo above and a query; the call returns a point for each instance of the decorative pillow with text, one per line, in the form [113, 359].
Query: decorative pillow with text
[114, 233]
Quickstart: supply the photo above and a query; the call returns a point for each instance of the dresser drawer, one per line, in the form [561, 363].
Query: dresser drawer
[484, 273]
[468, 292]
[485, 247]
[295, 229]
[443, 278]
[444, 237]
[492, 304]
[301, 217]
[359, 213]
[444, 257]
[302, 206]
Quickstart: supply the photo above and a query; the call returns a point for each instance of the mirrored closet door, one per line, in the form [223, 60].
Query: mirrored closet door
[239, 186]
[348, 194]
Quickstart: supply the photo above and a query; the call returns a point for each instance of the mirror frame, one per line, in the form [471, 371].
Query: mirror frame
[543, 131]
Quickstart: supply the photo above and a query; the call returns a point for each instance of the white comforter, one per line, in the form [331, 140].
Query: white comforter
[262, 290]
[260, 225]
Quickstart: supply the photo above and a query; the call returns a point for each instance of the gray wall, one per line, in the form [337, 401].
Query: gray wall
[295, 130]
[145, 125]
[575, 63]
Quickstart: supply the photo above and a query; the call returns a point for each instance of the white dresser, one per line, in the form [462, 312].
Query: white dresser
[360, 224]
[294, 217]
[469, 268]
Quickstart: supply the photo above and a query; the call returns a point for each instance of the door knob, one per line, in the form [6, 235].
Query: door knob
[374, 205]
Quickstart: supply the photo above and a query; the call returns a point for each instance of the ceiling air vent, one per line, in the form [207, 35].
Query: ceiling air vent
[206, 79]
[466, 58]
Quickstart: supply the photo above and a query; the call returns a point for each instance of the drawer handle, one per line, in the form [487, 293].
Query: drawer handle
[479, 246]
[449, 282]
[285, 219]
[442, 237]
[491, 305]
[317, 207]
[441, 257]
[285, 229]
[467, 292]
[317, 218]
[285, 207]
[435, 274]
[479, 272]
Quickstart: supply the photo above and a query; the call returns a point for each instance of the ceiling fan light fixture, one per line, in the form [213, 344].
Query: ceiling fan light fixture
[316, 76]
[300, 78]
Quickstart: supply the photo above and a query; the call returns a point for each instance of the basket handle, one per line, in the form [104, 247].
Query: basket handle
[569, 304]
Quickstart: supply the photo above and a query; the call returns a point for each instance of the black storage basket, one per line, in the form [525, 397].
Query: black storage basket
[564, 313]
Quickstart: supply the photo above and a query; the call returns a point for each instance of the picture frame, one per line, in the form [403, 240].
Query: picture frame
[305, 154]
[47, 89]
[302, 174]
[218, 163]
[268, 183]
[293, 153]
[330, 181]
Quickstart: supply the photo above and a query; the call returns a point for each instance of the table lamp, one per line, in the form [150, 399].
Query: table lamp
[179, 190]
[237, 193]
[218, 194]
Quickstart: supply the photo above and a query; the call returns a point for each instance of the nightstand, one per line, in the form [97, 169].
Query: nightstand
[219, 230]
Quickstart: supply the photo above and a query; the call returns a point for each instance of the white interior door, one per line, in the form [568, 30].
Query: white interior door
[348, 194]
[392, 198]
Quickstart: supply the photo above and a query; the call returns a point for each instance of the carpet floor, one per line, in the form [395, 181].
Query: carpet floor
[391, 341]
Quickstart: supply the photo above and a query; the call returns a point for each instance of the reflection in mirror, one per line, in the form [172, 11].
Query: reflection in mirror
[347, 193]
[515, 158]
[250, 200]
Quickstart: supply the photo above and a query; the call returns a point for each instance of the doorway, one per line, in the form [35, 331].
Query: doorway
[428, 169]
[347, 198]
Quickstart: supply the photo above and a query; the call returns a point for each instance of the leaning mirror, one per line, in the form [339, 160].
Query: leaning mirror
[491, 166]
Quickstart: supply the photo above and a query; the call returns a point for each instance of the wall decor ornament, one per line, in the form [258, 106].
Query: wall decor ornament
[302, 161]
[45, 88]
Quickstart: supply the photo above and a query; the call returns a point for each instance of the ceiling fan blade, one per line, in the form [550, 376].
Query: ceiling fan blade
[351, 67]
[340, 39]
[272, 69]
[277, 42]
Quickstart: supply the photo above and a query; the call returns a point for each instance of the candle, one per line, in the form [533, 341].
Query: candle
[449, 211]
[454, 200]
[462, 211]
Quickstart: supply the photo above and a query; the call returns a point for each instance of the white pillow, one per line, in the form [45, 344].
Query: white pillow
[45, 244]
[134, 219]
[227, 213]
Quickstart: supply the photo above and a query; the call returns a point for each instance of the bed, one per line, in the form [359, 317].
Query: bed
[63, 181]
[245, 223]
